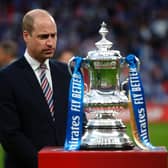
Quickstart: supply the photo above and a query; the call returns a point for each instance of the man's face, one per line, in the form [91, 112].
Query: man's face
[41, 44]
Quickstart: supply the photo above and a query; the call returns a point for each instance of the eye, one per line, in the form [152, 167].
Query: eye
[53, 35]
[43, 36]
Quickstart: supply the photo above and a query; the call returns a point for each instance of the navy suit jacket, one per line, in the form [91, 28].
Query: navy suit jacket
[25, 119]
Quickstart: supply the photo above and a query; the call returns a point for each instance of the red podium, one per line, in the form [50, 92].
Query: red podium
[54, 157]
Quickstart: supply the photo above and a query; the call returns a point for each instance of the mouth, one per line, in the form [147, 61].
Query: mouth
[49, 51]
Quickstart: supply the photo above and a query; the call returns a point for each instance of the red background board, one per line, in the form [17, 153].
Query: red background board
[155, 112]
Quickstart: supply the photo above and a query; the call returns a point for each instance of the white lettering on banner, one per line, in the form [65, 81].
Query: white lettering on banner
[76, 86]
[135, 87]
[75, 107]
[143, 126]
[76, 93]
[138, 99]
[74, 132]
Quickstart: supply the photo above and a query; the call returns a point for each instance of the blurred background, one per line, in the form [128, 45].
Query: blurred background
[137, 27]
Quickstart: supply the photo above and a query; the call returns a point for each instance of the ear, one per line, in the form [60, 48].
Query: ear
[26, 36]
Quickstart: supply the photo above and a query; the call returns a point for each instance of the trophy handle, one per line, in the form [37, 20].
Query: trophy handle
[83, 71]
[138, 68]
[70, 64]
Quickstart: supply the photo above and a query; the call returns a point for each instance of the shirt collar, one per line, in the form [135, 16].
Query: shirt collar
[33, 62]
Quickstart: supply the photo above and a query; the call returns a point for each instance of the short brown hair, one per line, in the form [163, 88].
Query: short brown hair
[27, 23]
[28, 19]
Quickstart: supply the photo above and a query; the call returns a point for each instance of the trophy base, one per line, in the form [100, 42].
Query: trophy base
[107, 147]
[106, 135]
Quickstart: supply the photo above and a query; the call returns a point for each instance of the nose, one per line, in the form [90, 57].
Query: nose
[49, 41]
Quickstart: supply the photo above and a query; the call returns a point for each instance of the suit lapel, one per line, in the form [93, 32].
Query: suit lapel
[54, 81]
[32, 80]
[30, 77]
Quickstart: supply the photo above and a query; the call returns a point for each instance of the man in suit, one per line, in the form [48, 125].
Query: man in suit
[27, 121]
[8, 52]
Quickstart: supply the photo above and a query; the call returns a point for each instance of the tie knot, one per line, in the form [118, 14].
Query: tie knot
[43, 66]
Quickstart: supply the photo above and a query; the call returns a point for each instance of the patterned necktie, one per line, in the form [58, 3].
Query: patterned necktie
[48, 93]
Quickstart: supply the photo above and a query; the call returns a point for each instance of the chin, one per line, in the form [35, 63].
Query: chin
[49, 56]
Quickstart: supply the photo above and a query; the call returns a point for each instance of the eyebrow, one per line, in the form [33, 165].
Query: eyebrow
[45, 36]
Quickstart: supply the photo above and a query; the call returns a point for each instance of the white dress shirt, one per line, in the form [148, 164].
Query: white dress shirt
[35, 66]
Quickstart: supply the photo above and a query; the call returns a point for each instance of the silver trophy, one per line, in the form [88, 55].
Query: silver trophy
[104, 98]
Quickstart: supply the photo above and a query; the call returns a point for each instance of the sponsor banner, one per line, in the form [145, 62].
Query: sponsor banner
[75, 109]
[139, 118]
[155, 112]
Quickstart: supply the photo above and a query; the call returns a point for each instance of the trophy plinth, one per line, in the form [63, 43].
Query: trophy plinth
[104, 99]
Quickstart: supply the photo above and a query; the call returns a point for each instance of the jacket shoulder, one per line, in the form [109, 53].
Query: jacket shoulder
[59, 67]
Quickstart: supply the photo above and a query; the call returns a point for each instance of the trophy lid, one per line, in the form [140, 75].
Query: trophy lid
[103, 44]
[103, 51]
